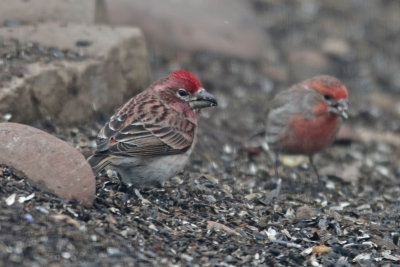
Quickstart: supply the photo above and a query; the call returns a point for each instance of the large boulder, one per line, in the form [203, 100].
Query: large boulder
[111, 66]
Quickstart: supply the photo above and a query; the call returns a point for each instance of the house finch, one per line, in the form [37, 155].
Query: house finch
[305, 118]
[149, 139]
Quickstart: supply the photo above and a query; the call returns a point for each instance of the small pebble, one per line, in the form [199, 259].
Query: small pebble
[29, 218]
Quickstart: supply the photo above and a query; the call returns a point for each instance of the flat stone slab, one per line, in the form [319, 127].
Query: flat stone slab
[36, 11]
[112, 67]
[229, 27]
[50, 163]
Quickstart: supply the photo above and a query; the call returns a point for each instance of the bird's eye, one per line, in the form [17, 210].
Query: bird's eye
[327, 97]
[182, 92]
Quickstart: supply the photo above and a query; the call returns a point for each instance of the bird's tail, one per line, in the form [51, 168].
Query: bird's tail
[98, 162]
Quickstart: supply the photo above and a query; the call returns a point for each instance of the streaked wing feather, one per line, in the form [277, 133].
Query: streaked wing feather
[160, 141]
[137, 130]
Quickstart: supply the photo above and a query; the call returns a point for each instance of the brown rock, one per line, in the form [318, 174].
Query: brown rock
[304, 212]
[279, 74]
[307, 63]
[389, 103]
[70, 92]
[322, 249]
[49, 162]
[384, 243]
[336, 47]
[365, 135]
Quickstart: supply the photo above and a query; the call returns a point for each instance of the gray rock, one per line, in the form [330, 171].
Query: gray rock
[35, 11]
[111, 70]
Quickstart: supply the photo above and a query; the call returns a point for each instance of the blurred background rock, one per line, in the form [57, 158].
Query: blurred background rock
[69, 63]
[288, 40]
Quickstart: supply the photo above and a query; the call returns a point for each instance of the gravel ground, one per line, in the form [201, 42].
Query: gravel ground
[14, 56]
[226, 208]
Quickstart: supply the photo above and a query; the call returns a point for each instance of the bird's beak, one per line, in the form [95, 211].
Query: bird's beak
[341, 108]
[203, 99]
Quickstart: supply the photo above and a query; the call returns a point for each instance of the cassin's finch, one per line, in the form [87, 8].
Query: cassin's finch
[149, 139]
[305, 118]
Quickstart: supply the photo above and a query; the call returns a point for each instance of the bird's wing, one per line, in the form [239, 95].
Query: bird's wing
[144, 126]
[294, 101]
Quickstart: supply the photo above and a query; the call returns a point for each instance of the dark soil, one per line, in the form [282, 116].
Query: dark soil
[226, 208]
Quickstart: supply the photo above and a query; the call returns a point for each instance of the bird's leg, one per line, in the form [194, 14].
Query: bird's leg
[310, 157]
[276, 165]
[121, 185]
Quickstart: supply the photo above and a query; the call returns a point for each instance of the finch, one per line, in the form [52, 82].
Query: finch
[149, 139]
[305, 118]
